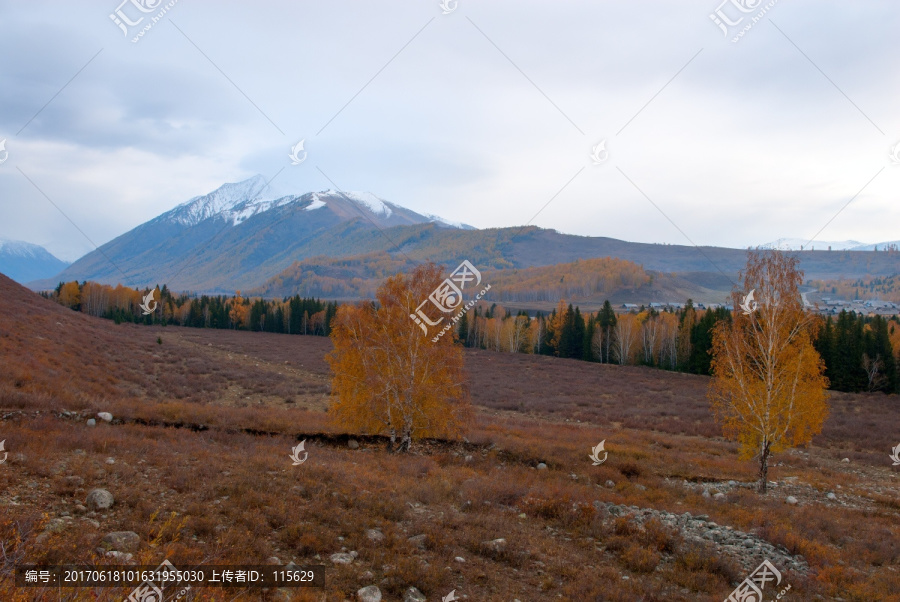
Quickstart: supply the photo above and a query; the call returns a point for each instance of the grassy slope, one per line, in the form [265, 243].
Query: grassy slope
[238, 498]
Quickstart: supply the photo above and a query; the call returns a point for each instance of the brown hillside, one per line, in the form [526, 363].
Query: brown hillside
[221, 488]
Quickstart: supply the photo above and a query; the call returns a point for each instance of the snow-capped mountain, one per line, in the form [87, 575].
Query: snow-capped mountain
[237, 202]
[24, 262]
[800, 244]
[241, 232]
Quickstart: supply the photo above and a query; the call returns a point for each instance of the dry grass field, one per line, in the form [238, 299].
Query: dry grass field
[197, 458]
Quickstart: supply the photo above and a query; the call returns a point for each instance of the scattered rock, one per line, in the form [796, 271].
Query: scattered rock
[375, 535]
[99, 499]
[523, 515]
[370, 593]
[705, 493]
[79, 509]
[495, 545]
[342, 558]
[746, 549]
[91, 422]
[831, 496]
[791, 500]
[353, 444]
[122, 541]
[719, 497]
[846, 460]
[418, 540]
[468, 459]
[541, 466]
[119, 556]
[73, 481]
[273, 560]
[110, 460]
[610, 483]
[459, 559]
[104, 416]
[413, 595]
[55, 525]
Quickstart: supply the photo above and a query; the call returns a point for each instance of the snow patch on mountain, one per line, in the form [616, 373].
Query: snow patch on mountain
[20, 248]
[239, 201]
[796, 244]
[248, 209]
[235, 201]
[437, 218]
[881, 246]
[368, 200]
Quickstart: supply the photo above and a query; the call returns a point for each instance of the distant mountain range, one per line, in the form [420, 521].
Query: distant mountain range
[24, 262]
[241, 236]
[237, 236]
[799, 244]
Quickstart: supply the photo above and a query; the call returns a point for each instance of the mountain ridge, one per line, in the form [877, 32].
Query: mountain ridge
[24, 261]
[243, 234]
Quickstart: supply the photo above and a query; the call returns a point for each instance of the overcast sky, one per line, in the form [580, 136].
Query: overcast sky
[483, 115]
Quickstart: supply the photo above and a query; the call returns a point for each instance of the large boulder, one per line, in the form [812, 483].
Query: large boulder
[370, 593]
[99, 499]
[414, 595]
[122, 541]
[342, 558]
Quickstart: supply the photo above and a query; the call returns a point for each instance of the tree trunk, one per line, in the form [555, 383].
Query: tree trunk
[392, 441]
[763, 467]
[405, 441]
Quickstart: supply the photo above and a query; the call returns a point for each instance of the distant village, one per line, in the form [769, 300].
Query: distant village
[870, 307]
[825, 306]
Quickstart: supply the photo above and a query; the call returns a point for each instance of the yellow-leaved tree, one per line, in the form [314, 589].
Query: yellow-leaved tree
[389, 377]
[768, 387]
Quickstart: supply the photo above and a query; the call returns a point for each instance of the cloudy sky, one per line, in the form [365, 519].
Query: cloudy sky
[486, 115]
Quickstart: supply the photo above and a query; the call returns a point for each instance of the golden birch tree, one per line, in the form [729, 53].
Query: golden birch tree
[389, 377]
[768, 387]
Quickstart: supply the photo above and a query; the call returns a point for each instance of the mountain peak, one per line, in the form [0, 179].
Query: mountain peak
[23, 261]
[233, 197]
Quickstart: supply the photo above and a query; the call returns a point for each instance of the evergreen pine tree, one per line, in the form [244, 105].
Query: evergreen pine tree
[587, 351]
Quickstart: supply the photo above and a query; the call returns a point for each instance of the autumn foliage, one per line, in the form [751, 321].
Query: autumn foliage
[768, 387]
[390, 378]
